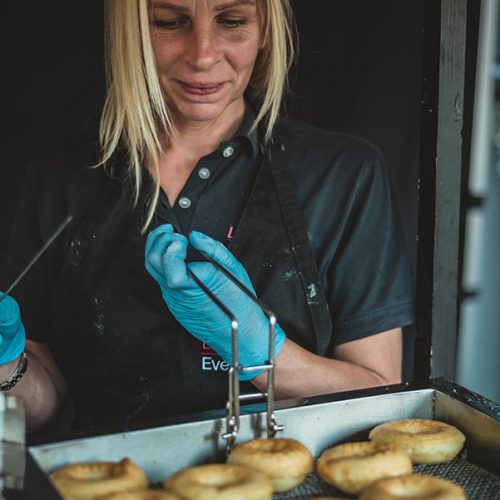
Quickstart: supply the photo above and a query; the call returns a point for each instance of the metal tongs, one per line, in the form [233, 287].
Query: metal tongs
[233, 403]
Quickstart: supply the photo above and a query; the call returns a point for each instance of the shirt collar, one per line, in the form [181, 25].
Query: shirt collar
[245, 134]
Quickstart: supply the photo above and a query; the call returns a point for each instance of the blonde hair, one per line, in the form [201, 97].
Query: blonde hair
[135, 114]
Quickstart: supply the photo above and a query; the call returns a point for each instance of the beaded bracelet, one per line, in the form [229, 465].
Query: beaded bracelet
[17, 374]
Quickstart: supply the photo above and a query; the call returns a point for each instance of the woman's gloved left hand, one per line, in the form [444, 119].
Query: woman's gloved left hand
[12, 334]
[195, 311]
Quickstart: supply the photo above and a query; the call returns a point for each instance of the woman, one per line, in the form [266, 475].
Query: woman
[195, 158]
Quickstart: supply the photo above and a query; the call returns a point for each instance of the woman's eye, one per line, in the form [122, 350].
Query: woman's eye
[170, 24]
[230, 22]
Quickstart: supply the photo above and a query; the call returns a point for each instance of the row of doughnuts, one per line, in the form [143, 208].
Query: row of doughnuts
[392, 450]
[259, 467]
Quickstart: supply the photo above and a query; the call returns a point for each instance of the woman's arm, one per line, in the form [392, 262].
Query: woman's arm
[42, 388]
[368, 362]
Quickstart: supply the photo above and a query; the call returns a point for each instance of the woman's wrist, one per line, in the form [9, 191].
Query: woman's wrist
[7, 368]
[15, 371]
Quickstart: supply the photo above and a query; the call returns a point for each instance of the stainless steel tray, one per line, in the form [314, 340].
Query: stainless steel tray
[318, 422]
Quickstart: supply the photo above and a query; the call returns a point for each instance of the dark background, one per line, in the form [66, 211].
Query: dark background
[359, 71]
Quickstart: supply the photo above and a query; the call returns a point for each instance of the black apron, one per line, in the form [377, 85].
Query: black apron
[124, 355]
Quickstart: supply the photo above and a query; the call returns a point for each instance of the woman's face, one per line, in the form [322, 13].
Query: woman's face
[205, 51]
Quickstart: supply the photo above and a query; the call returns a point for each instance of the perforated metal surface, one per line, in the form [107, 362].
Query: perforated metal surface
[477, 483]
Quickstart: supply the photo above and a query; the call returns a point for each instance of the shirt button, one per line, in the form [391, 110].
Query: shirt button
[228, 152]
[184, 202]
[204, 173]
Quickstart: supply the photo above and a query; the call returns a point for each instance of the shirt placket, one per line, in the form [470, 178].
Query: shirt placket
[197, 185]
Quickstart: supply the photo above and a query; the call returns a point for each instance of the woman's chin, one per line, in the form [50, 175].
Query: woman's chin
[197, 113]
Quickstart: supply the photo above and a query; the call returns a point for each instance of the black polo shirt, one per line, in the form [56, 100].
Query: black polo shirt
[340, 182]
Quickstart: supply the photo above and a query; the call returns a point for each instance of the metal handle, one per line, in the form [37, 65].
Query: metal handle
[233, 404]
[40, 252]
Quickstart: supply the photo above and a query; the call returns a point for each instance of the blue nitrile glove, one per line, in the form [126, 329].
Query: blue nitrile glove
[12, 335]
[195, 311]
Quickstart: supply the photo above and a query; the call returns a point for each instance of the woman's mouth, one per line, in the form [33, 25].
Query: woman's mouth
[201, 88]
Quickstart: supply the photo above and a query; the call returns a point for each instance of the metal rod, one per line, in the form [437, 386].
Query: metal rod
[209, 292]
[270, 420]
[272, 426]
[255, 368]
[40, 252]
[232, 406]
[252, 395]
[239, 284]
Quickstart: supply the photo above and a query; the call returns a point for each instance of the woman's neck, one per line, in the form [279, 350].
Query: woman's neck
[199, 138]
[189, 143]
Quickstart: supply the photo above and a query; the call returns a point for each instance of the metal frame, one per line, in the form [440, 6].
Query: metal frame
[440, 181]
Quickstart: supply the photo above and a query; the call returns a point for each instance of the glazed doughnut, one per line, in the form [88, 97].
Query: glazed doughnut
[220, 482]
[95, 479]
[286, 461]
[142, 495]
[413, 486]
[351, 467]
[425, 441]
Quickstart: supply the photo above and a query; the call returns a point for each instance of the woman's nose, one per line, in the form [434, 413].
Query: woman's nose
[203, 49]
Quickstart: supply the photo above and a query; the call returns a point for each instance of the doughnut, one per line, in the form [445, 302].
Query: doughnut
[351, 467]
[142, 495]
[95, 479]
[286, 461]
[220, 482]
[425, 441]
[413, 486]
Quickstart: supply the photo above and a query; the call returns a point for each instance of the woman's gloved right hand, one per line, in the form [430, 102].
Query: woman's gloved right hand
[165, 259]
[12, 334]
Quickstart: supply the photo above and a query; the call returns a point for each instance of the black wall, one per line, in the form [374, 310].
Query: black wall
[52, 75]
